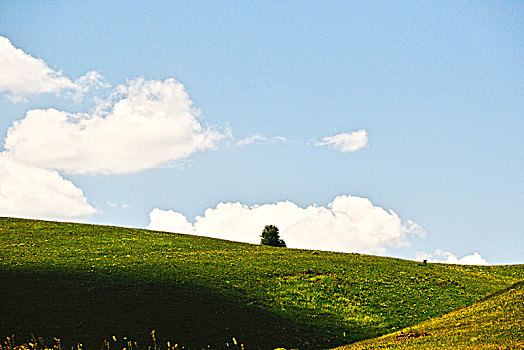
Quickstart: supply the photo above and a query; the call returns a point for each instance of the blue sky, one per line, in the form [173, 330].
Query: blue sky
[380, 127]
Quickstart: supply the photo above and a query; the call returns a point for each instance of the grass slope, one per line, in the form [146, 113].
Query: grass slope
[86, 283]
[494, 323]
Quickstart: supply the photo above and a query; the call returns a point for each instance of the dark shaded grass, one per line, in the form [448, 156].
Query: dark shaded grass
[78, 308]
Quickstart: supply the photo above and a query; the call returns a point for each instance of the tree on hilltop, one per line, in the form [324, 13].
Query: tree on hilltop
[270, 236]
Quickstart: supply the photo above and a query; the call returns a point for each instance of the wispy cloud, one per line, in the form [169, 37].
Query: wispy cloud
[348, 224]
[259, 138]
[89, 82]
[346, 142]
[124, 206]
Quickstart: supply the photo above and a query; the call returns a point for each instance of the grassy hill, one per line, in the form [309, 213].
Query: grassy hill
[87, 283]
[494, 323]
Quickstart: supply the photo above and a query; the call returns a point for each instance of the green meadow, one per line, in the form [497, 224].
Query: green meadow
[497, 322]
[86, 283]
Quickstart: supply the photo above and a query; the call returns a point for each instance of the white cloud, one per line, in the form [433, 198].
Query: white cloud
[124, 206]
[23, 74]
[251, 139]
[449, 258]
[30, 192]
[259, 138]
[169, 220]
[346, 142]
[150, 124]
[348, 224]
[91, 81]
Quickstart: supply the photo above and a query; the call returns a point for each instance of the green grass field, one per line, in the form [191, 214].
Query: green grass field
[494, 323]
[86, 283]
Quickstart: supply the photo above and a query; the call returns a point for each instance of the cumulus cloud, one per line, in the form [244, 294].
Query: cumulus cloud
[169, 220]
[346, 142]
[149, 124]
[259, 138]
[31, 192]
[449, 258]
[23, 74]
[348, 224]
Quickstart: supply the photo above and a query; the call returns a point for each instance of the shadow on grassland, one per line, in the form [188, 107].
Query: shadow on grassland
[89, 309]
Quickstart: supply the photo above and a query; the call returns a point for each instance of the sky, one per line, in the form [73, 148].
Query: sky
[387, 128]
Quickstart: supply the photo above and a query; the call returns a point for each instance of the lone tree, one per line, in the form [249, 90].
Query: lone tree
[270, 236]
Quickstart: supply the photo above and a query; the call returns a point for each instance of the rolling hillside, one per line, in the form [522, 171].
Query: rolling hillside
[494, 323]
[86, 283]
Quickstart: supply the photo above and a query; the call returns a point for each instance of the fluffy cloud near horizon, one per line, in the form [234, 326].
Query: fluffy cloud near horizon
[147, 124]
[348, 224]
[346, 142]
[31, 192]
[449, 258]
